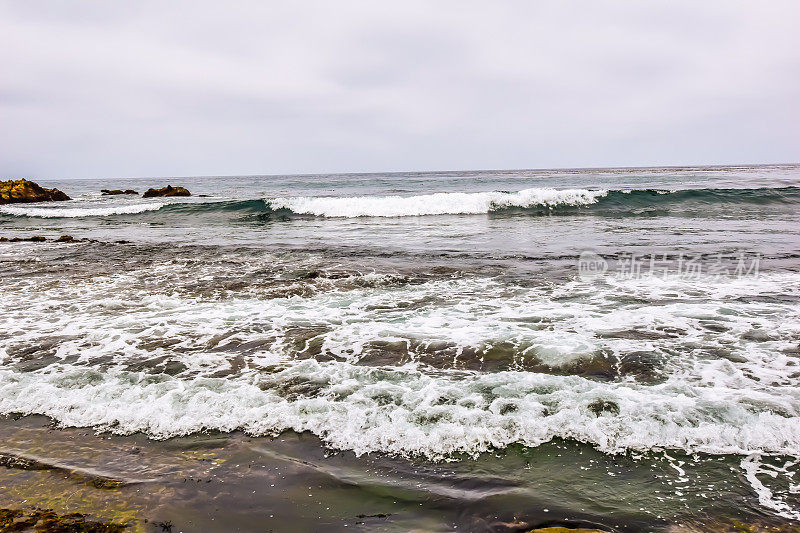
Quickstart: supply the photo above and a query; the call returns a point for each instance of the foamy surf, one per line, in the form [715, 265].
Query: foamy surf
[453, 203]
[78, 212]
[426, 403]
[403, 411]
[752, 467]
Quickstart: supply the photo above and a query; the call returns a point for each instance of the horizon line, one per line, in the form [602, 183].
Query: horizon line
[388, 172]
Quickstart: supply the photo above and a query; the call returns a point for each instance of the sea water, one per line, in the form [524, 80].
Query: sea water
[429, 319]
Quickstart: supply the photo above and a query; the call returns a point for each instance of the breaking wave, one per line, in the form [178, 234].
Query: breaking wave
[456, 203]
[726, 393]
[77, 212]
[403, 411]
[534, 201]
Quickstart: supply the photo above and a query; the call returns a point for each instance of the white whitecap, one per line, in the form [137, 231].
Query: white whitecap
[77, 212]
[744, 404]
[455, 203]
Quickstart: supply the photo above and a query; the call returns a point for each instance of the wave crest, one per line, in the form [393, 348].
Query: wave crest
[535, 201]
[77, 212]
[456, 203]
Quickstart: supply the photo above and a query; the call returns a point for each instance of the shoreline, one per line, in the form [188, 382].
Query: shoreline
[220, 481]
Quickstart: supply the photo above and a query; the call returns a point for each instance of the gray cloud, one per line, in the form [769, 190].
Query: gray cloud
[206, 88]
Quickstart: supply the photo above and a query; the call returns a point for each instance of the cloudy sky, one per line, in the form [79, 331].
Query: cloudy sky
[171, 88]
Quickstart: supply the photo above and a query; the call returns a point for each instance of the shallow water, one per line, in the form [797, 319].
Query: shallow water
[441, 351]
[230, 481]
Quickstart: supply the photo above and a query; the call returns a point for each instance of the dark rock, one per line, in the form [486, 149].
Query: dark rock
[48, 521]
[66, 238]
[24, 191]
[35, 238]
[8, 517]
[646, 367]
[598, 407]
[169, 190]
[716, 328]
[165, 526]
[561, 529]
[758, 335]
[113, 192]
[87, 477]
[21, 463]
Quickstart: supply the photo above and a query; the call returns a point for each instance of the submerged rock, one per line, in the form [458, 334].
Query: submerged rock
[169, 190]
[48, 521]
[520, 526]
[113, 192]
[35, 238]
[560, 529]
[39, 238]
[598, 407]
[86, 476]
[21, 463]
[25, 191]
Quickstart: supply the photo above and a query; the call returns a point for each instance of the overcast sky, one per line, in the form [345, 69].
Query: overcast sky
[171, 88]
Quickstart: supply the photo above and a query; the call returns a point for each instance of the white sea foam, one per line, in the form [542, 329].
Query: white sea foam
[752, 466]
[402, 410]
[744, 403]
[77, 212]
[455, 203]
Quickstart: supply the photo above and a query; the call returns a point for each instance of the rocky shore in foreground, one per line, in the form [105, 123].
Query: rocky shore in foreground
[71, 480]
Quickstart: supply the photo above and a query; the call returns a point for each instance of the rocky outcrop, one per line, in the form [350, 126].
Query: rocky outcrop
[47, 521]
[114, 192]
[169, 190]
[63, 239]
[24, 191]
[39, 238]
[35, 238]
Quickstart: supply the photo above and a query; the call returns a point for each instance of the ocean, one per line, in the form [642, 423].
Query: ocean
[474, 351]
